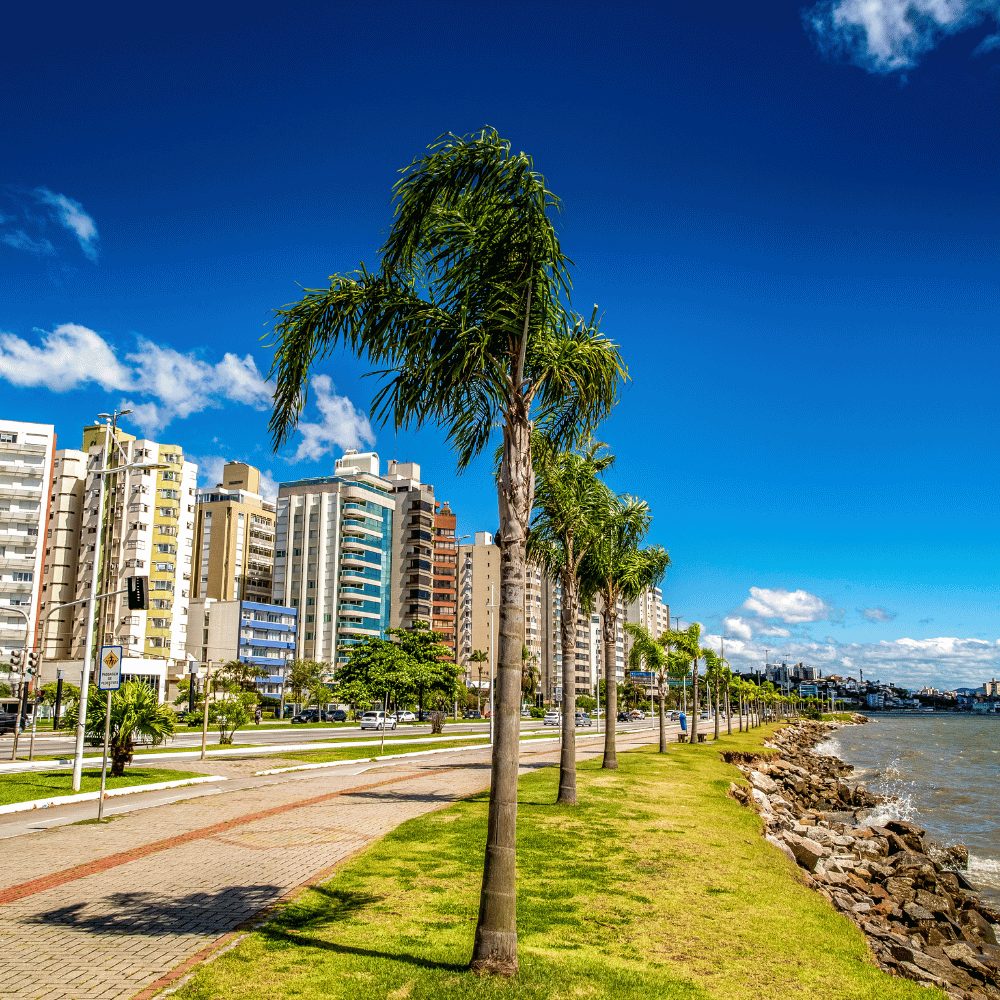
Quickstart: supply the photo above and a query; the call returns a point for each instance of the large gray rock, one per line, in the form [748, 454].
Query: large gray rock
[807, 851]
[760, 780]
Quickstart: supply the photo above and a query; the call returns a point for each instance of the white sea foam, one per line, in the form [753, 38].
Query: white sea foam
[830, 747]
[985, 871]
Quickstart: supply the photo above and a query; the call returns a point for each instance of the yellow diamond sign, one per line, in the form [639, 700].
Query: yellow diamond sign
[109, 674]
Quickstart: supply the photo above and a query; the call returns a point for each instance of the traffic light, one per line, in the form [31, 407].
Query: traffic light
[33, 659]
[16, 658]
[138, 597]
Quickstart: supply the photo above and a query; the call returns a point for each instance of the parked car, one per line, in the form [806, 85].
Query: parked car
[337, 715]
[473, 713]
[8, 714]
[405, 715]
[310, 715]
[377, 720]
[552, 718]
[425, 714]
[582, 719]
[623, 717]
[525, 712]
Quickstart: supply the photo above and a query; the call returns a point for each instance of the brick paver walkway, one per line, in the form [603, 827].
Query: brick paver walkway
[109, 912]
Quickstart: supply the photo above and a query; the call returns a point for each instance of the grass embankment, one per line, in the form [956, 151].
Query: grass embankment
[46, 784]
[658, 885]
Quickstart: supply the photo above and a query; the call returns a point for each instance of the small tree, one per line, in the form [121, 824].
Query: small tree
[136, 714]
[302, 678]
[231, 712]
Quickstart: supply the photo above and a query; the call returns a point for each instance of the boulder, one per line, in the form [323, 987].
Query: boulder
[807, 852]
[760, 780]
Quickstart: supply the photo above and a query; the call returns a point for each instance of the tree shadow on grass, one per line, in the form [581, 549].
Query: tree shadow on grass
[290, 926]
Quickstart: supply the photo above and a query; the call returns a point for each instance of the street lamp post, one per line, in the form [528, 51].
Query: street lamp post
[110, 430]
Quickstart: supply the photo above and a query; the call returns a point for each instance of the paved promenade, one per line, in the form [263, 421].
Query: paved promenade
[120, 910]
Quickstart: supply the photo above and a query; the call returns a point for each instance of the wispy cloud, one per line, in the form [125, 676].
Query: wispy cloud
[738, 628]
[166, 384]
[790, 606]
[877, 614]
[71, 216]
[341, 424]
[35, 218]
[890, 36]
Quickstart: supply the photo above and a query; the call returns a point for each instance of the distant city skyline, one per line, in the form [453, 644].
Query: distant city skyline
[788, 225]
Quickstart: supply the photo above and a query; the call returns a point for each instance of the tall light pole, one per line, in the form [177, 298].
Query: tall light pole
[106, 470]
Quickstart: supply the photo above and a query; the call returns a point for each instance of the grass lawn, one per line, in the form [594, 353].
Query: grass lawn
[45, 784]
[657, 886]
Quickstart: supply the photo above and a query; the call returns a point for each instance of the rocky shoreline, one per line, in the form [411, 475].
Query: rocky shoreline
[922, 919]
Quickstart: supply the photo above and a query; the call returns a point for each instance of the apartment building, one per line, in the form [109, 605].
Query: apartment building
[479, 603]
[262, 634]
[62, 553]
[26, 459]
[333, 556]
[234, 538]
[444, 605]
[412, 587]
[552, 653]
[148, 531]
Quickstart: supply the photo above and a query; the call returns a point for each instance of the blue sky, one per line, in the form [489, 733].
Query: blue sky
[787, 211]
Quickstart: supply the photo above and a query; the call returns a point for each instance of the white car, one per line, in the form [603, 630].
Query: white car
[377, 720]
[552, 718]
[406, 716]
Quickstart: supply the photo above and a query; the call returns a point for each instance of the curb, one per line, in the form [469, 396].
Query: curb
[65, 800]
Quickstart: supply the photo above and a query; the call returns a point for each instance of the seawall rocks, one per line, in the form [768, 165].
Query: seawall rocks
[908, 895]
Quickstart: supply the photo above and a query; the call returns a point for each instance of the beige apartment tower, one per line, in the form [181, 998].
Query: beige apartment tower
[234, 547]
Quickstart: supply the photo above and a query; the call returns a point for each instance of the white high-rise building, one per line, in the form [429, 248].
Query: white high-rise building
[26, 456]
[333, 556]
[149, 531]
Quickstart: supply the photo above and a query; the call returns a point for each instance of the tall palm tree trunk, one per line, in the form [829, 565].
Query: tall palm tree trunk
[715, 735]
[663, 719]
[729, 714]
[567, 755]
[610, 761]
[695, 702]
[495, 947]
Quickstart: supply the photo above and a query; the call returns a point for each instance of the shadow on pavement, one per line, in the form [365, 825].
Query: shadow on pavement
[155, 915]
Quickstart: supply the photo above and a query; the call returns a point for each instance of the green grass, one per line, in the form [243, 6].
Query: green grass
[323, 756]
[657, 886]
[45, 784]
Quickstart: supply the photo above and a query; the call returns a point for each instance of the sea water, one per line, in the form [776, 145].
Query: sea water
[943, 772]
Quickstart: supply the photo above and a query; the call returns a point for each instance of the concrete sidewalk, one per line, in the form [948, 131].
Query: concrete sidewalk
[111, 911]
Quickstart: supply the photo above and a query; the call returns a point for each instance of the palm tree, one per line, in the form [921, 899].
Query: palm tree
[688, 642]
[569, 503]
[479, 657]
[468, 320]
[619, 570]
[713, 667]
[650, 652]
[136, 713]
[530, 674]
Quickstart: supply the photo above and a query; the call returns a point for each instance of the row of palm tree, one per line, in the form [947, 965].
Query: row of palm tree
[468, 321]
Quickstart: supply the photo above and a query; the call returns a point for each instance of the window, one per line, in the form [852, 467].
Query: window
[22, 577]
[8, 437]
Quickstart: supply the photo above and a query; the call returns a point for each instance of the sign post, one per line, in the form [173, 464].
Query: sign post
[109, 679]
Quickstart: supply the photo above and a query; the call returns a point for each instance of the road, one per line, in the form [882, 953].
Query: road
[116, 911]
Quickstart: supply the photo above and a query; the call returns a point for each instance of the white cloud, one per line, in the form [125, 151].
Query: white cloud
[342, 424]
[774, 630]
[738, 628]
[790, 606]
[268, 485]
[887, 36]
[65, 358]
[167, 384]
[877, 614]
[71, 216]
[20, 240]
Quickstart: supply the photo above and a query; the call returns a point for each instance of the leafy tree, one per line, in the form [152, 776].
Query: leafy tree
[303, 678]
[5, 690]
[585, 703]
[570, 502]
[231, 712]
[530, 675]
[244, 676]
[434, 672]
[649, 653]
[136, 714]
[468, 319]
[619, 569]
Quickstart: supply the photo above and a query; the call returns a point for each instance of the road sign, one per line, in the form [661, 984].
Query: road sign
[109, 669]
[641, 673]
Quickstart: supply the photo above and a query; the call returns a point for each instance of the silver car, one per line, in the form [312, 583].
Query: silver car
[378, 720]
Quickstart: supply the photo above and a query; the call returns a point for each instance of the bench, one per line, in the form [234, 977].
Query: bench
[701, 737]
[682, 737]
